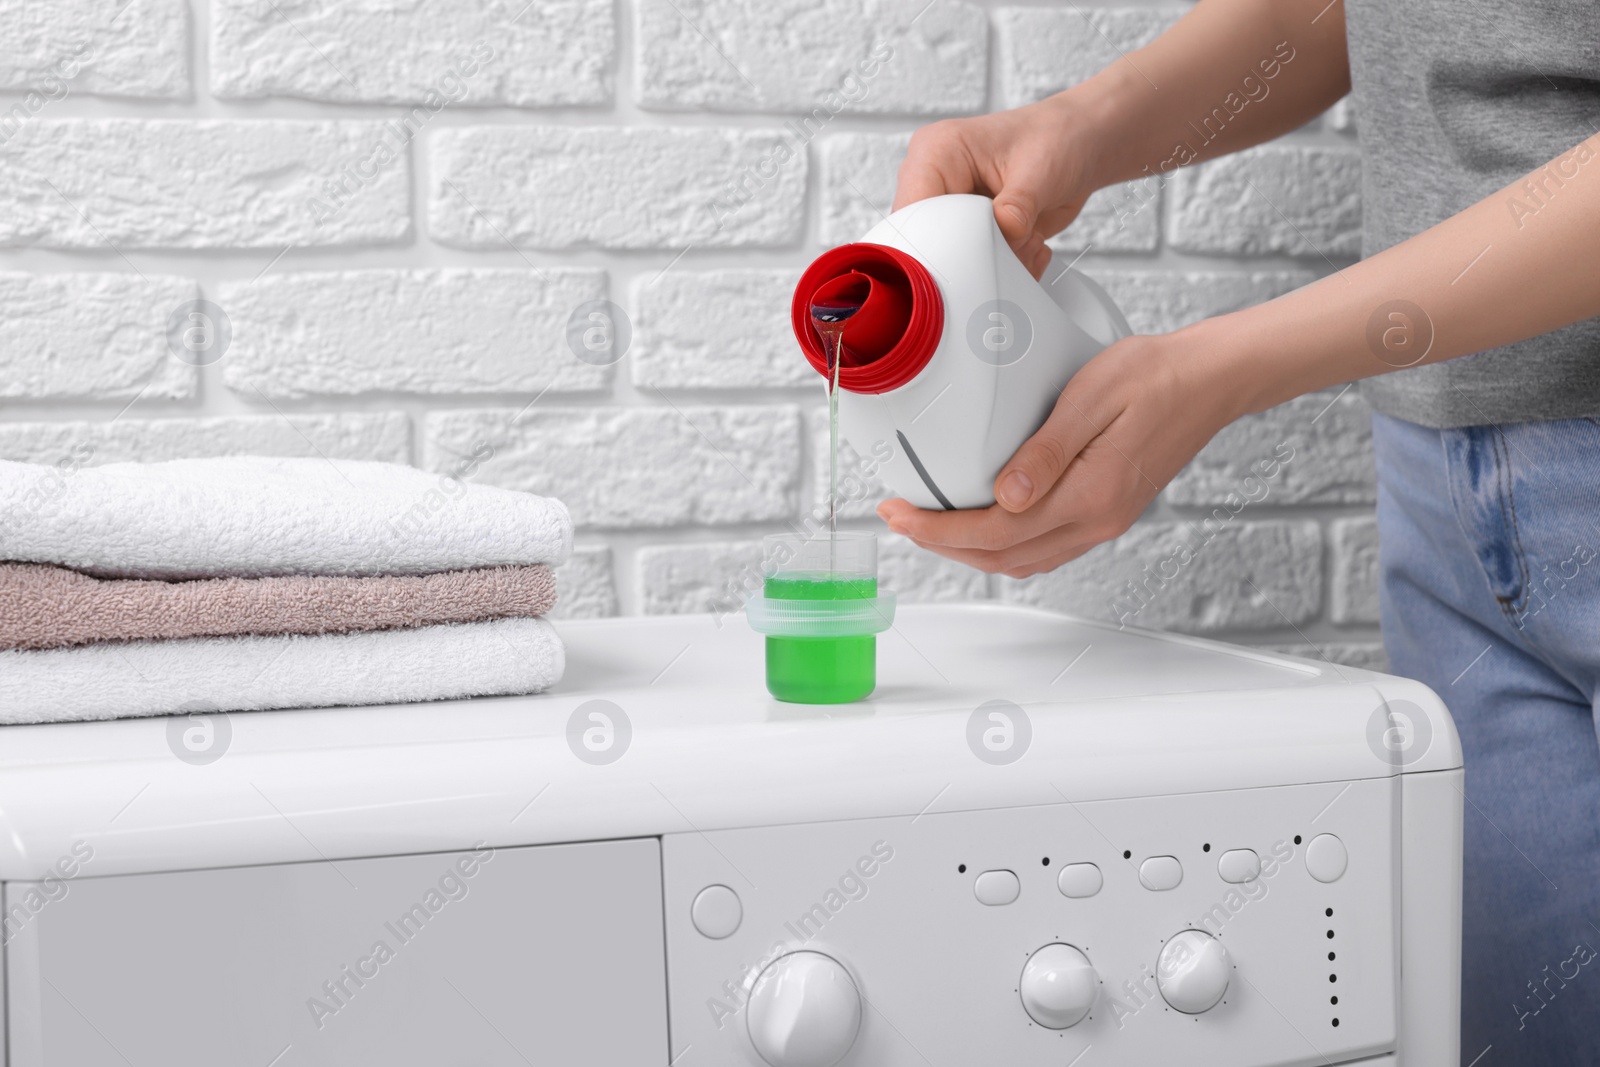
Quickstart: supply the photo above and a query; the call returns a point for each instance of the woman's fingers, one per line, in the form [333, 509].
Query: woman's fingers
[989, 528]
[1082, 411]
[1034, 556]
[936, 163]
[1041, 260]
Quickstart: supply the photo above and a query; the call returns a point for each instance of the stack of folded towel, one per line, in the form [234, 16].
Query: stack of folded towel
[246, 583]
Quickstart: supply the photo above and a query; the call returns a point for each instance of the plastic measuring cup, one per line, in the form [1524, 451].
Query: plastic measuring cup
[821, 609]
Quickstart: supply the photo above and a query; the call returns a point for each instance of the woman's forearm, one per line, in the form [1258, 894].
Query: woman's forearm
[1517, 264]
[1229, 74]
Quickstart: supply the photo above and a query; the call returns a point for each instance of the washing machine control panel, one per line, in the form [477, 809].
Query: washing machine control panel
[1247, 929]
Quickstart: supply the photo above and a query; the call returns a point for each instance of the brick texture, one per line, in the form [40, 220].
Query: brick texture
[439, 331]
[586, 585]
[1354, 544]
[1323, 445]
[819, 58]
[1297, 201]
[384, 436]
[464, 52]
[561, 187]
[699, 577]
[612, 469]
[725, 329]
[91, 336]
[1163, 301]
[1241, 574]
[1046, 50]
[136, 48]
[168, 183]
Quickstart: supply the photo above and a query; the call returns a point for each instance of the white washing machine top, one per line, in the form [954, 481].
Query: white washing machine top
[662, 725]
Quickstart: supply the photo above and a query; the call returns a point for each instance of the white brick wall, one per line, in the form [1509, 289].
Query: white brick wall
[175, 183]
[1293, 200]
[90, 335]
[138, 48]
[745, 344]
[1204, 576]
[640, 187]
[414, 216]
[631, 467]
[384, 436]
[1051, 49]
[904, 57]
[426, 331]
[465, 51]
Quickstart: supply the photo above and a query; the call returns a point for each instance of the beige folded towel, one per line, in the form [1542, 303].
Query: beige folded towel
[45, 606]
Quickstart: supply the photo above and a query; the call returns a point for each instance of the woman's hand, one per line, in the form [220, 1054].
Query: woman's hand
[1122, 428]
[1035, 161]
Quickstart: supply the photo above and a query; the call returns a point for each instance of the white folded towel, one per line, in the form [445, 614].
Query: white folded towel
[251, 516]
[134, 678]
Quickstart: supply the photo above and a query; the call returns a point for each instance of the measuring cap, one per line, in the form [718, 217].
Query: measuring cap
[820, 618]
[816, 565]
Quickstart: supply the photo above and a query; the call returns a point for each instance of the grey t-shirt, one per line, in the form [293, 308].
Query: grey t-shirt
[1455, 99]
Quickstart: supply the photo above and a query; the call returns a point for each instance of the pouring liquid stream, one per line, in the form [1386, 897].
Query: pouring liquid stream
[828, 317]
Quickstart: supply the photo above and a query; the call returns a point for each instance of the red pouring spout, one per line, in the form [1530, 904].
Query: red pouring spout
[893, 336]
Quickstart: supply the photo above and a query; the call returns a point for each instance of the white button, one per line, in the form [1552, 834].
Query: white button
[997, 887]
[1192, 972]
[1079, 880]
[1326, 859]
[1160, 872]
[1058, 986]
[1239, 865]
[805, 1011]
[716, 911]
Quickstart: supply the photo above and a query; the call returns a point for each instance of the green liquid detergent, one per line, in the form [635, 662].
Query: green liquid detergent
[821, 670]
[825, 670]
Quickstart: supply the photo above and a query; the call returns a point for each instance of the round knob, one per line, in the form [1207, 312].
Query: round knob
[1193, 971]
[804, 1011]
[1058, 986]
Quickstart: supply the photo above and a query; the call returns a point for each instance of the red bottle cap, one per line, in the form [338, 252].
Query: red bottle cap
[892, 337]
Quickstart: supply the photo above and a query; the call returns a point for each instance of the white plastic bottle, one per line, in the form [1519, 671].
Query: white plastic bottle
[958, 354]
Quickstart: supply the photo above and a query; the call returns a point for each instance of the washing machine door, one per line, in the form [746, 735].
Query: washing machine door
[491, 957]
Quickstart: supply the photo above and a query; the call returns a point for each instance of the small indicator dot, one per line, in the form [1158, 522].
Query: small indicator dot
[1336, 1022]
[1330, 955]
[1330, 935]
[1333, 1000]
[1206, 847]
[1329, 913]
[1333, 978]
[1046, 861]
[1297, 839]
[1127, 854]
[961, 869]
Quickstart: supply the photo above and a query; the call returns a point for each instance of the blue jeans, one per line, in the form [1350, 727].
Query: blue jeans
[1489, 542]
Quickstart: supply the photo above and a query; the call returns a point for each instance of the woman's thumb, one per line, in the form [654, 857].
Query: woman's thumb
[1017, 213]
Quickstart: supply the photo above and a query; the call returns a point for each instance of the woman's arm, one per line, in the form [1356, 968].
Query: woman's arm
[1227, 75]
[1515, 265]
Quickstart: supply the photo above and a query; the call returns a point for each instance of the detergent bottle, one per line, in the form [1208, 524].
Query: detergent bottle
[951, 353]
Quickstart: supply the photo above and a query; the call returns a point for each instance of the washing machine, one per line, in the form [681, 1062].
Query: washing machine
[1042, 841]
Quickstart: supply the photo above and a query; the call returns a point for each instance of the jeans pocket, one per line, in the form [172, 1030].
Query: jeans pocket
[1483, 486]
